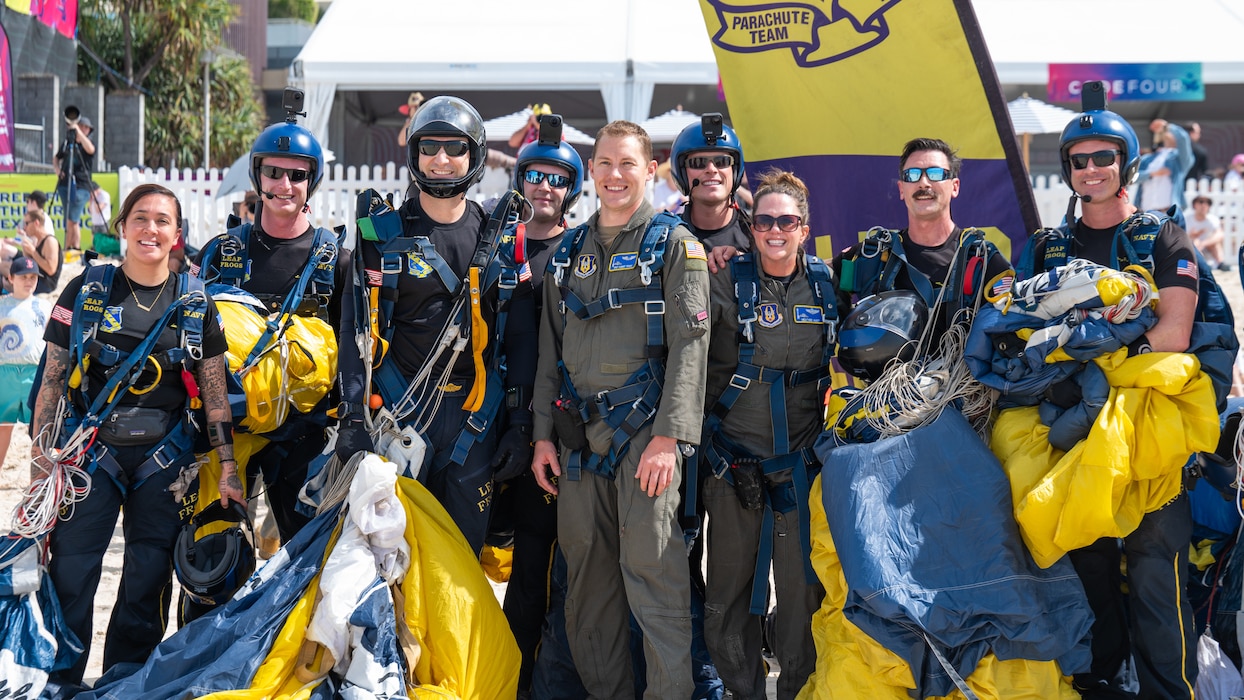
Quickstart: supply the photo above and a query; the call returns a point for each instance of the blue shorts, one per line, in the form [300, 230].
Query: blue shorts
[15, 384]
[74, 209]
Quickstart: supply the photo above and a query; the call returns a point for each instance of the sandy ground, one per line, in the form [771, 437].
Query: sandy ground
[14, 477]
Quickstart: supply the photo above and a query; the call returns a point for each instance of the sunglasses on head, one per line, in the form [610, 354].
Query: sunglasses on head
[935, 174]
[1101, 159]
[788, 223]
[276, 172]
[721, 161]
[535, 177]
[453, 149]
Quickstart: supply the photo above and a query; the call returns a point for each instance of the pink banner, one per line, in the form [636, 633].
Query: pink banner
[7, 163]
[61, 15]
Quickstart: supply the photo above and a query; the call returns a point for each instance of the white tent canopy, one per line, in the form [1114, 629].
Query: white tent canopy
[666, 127]
[621, 48]
[500, 128]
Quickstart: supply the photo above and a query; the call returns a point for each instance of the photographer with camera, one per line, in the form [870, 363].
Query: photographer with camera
[76, 157]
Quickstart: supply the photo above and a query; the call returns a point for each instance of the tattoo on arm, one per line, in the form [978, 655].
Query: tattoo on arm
[211, 377]
[54, 372]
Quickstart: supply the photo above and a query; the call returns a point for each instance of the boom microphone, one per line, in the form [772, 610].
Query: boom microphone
[695, 183]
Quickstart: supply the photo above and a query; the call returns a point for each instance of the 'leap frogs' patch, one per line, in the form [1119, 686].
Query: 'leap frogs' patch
[585, 266]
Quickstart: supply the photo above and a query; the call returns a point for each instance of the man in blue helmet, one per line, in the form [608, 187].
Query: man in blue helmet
[413, 278]
[287, 264]
[1100, 157]
[549, 173]
[706, 161]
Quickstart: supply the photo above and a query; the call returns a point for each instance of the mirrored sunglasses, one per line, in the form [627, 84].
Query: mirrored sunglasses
[453, 149]
[1101, 159]
[276, 173]
[535, 177]
[788, 223]
[935, 174]
[721, 161]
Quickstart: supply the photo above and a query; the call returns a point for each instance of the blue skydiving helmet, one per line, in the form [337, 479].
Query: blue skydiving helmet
[1104, 125]
[447, 116]
[552, 150]
[288, 140]
[709, 135]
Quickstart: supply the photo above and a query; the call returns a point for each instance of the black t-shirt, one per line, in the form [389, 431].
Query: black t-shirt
[48, 283]
[735, 233]
[274, 266]
[1174, 258]
[423, 302]
[83, 164]
[124, 327]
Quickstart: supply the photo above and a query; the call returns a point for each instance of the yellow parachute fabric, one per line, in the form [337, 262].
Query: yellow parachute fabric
[244, 446]
[297, 372]
[850, 665]
[275, 677]
[468, 649]
[1160, 411]
[498, 562]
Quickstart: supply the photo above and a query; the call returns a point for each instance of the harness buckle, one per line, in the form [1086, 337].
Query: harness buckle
[878, 238]
[740, 382]
[476, 425]
[655, 308]
[559, 269]
[390, 265]
[645, 269]
[507, 280]
[611, 299]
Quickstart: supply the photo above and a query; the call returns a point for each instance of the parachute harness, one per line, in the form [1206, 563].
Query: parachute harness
[910, 394]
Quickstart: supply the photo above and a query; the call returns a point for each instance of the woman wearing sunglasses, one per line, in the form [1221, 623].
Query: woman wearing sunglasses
[773, 319]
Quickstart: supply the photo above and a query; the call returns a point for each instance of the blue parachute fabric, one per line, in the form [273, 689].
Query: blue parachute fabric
[34, 640]
[929, 546]
[223, 649]
[1071, 424]
[1022, 374]
[375, 670]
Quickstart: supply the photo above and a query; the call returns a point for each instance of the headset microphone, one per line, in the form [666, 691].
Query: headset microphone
[1086, 198]
[695, 183]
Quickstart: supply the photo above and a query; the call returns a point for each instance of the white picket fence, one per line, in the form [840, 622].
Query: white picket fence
[334, 201]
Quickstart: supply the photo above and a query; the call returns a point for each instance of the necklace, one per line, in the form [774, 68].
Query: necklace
[135, 294]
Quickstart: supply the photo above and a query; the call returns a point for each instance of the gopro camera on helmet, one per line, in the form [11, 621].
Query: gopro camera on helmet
[291, 101]
[1093, 96]
[550, 129]
[711, 124]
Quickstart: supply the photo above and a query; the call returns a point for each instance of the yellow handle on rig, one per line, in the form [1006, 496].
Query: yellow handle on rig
[479, 341]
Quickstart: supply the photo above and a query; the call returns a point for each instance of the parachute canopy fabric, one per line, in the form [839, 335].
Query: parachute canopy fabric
[297, 372]
[1159, 412]
[851, 665]
[260, 643]
[34, 640]
[926, 539]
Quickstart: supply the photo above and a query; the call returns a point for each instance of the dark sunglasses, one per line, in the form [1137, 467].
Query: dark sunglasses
[535, 177]
[788, 223]
[935, 174]
[453, 149]
[721, 161]
[275, 172]
[1101, 159]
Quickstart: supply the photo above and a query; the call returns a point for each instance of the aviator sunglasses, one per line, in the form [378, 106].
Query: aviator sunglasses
[453, 149]
[787, 223]
[275, 172]
[721, 161]
[1101, 159]
[535, 177]
[935, 174]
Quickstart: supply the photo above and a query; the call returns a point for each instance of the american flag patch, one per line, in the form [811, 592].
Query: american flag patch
[695, 250]
[524, 273]
[375, 278]
[1187, 268]
[60, 313]
[1001, 286]
[194, 270]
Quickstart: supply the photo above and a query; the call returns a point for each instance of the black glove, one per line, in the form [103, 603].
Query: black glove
[352, 437]
[513, 455]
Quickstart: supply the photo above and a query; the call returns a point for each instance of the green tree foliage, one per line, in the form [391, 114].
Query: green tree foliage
[305, 10]
[158, 45]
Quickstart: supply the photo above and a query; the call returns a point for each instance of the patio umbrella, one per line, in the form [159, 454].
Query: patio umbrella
[665, 128]
[501, 128]
[1032, 116]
